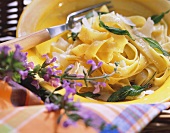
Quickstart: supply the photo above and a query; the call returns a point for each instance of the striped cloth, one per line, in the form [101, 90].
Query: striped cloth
[130, 118]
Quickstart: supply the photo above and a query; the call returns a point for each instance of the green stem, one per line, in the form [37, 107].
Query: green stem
[84, 78]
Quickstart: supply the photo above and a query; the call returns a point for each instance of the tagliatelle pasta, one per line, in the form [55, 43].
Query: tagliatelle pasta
[133, 59]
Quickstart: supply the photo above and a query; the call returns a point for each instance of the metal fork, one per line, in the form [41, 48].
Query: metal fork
[71, 20]
[38, 37]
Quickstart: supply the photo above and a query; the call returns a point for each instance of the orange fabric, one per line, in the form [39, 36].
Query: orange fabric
[26, 119]
[6, 93]
[40, 116]
[36, 118]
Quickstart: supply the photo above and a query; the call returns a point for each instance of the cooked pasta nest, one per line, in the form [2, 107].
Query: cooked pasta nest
[138, 62]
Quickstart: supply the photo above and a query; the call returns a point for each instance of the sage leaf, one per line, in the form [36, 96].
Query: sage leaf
[157, 18]
[88, 94]
[125, 91]
[16, 77]
[74, 117]
[136, 90]
[155, 45]
[113, 30]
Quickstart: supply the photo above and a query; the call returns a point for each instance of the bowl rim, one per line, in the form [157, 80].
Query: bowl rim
[160, 95]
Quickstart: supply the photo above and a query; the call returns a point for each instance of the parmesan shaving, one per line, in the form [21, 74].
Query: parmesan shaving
[61, 44]
[148, 28]
[125, 20]
[86, 23]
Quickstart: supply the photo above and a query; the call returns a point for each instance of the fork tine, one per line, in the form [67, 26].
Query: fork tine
[88, 9]
[79, 18]
[70, 18]
[76, 19]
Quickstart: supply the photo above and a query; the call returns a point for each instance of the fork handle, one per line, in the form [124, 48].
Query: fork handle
[28, 41]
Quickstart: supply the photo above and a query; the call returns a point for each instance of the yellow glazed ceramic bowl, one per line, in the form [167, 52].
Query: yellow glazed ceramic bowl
[45, 13]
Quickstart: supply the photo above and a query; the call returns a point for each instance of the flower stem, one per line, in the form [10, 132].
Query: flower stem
[84, 78]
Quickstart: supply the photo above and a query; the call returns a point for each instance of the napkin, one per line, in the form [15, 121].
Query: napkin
[16, 116]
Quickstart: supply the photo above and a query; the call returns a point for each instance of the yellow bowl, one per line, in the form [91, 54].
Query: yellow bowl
[45, 13]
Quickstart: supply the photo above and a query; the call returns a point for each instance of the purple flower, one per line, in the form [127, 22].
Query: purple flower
[68, 122]
[36, 84]
[75, 84]
[69, 68]
[4, 49]
[100, 64]
[94, 66]
[49, 70]
[57, 72]
[23, 74]
[18, 55]
[48, 60]
[49, 73]
[30, 65]
[52, 107]
[55, 82]
[65, 83]
[68, 89]
[97, 87]
[46, 77]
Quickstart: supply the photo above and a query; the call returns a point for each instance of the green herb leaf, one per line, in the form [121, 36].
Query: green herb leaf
[154, 44]
[16, 77]
[125, 91]
[88, 94]
[116, 64]
[88, 122]
[113, 30]
[70, 106]
[74, 117]
[136, 90]
[73, 36]
[157, 18]
[37, 68]
[59, 98]
[18, 65]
